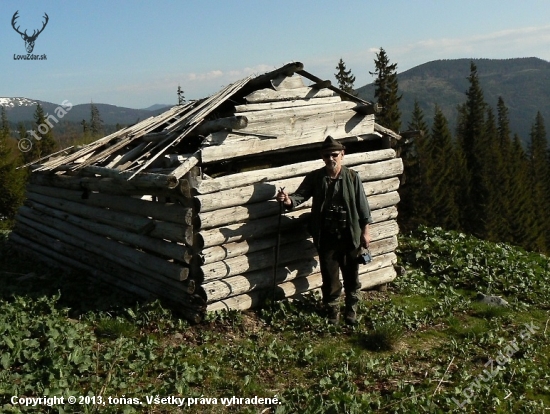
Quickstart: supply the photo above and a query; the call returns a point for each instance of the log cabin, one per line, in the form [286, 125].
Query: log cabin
[181, 205]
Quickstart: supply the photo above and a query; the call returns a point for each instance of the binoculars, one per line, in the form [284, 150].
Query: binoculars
[336, 219]
[365, 258]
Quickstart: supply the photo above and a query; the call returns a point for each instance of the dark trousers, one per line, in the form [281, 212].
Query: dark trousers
[338, 254]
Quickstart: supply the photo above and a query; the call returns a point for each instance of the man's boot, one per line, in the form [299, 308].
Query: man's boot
[333, 314]
[351, 310]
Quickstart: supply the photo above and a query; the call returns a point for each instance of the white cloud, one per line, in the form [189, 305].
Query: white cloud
[519, 42]
[230, 75]
[213, 74]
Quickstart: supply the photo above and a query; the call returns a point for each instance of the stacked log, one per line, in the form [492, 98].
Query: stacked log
[238, 221]
[145, 247]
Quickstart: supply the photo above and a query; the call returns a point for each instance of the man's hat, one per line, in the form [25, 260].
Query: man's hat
[330, 144]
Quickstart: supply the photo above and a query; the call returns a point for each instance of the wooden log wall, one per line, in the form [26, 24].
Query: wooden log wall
[237, 222]
[145, 247]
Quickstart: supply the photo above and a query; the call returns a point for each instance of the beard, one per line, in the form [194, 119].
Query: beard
[331, 165]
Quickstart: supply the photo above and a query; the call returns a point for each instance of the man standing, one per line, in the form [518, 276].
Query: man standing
[339, 225]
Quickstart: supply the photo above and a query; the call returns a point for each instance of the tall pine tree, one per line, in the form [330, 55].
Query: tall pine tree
[494, 178]
[471, 135]
[413, 187]
[344, 78]
[442, 176]
[96, 123]
[386, 91]
[181, 96]
[12, 182]
[500, 175]
[521, 212]
[540, 177]
[43, 142]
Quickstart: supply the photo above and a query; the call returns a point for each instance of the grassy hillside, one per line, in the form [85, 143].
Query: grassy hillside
[422, 346]
[523, 83]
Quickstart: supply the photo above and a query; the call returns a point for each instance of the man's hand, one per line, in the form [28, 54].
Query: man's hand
[365, 237]
[282, 197]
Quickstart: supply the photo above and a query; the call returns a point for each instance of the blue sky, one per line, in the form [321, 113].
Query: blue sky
[135, 53]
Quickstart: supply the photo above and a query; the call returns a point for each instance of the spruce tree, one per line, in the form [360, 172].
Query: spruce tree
[522, 215]
[5, 132]
[495, 182]
[12, 183]
[471, 135]
[22, 131]
[386, 91]
[96, 123]
[443, 175]
[504, 172]
[464, 193]
[540, 176]
[412, 189]
[43, 142]
[85, 129]
[181, 97]
[344, 78]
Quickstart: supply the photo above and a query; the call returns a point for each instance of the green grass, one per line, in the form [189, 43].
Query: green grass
[417, 346]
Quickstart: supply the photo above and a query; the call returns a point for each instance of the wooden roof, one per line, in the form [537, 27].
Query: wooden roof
[135, 150]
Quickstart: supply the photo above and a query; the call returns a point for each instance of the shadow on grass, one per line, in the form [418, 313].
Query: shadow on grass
[80, 293]
[482, 310]
[383, 337]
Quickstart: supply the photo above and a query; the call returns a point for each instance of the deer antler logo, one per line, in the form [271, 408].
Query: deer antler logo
[29, 40]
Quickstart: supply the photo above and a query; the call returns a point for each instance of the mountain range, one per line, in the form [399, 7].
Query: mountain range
[22, 110]
[523, 83]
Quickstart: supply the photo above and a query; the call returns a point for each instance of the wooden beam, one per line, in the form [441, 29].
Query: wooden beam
[155, 136]
[286, 171]
[241, 284]
[321, 84]
[268, 190]
[186, 166]
[264, 226]
[172, 212]
[304, 131]
[257, 260]
[253, 244]
[297, 287]
[269, 95]
[103, 185]
[145, 180]
[130, 222]
[289, 115]
[287, 70]
[235, 214]
[109, 249]
[126, 221]
[160, 247]
[386, 131]
[287, 82]
[245, 109]
[340, 92]
[230, 123]
[368, 109]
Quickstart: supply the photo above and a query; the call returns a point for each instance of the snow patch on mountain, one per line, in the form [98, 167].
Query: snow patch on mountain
[14, 102]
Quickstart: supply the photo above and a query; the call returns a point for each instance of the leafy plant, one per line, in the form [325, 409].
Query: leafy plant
[383, 337]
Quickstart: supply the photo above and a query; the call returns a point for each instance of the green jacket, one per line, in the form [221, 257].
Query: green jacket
[315, 185]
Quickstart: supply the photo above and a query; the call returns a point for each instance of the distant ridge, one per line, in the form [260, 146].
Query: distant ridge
[523, 83]
[22, 110]
[157, 107]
